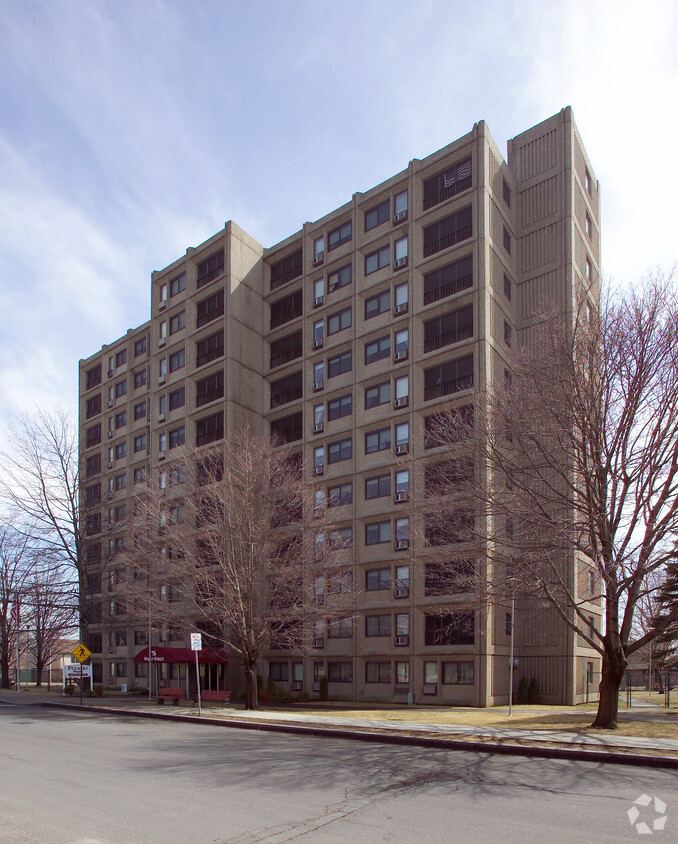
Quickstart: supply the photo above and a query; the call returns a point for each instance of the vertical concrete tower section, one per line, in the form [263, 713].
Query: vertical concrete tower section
[558, 270]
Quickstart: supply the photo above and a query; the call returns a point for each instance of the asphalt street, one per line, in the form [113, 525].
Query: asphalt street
[68, 776]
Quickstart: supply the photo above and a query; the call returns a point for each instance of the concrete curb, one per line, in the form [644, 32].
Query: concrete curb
[482, 746]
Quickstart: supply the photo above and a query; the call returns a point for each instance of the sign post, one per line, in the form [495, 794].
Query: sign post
[196, 645]
[81, 653]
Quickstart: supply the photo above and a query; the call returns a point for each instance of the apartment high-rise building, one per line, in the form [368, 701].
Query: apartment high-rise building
[345, 340]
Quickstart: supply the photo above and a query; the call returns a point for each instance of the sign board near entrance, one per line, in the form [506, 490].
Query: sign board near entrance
[72, 671]
[196, 641]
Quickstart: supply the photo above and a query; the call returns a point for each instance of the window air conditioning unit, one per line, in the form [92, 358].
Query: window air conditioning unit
[161, 417]
[161, 342]
[316, 686]
[317, 302]
[110, 464]
[110, 402]
[110, 373]
[400, 263]
[401, 355]
[111, 649]
[318, 427]
[110, 435]
[109, 494]
[402, 641]
[318, 470]
[403, 401]
[401, 449]
[430, 688]
[402, 544]
[319, 642]
[319, 599]
[401, 496]
[110, 557]
[162, 379]
[402, 592]
[318, 385]
[162, 304]
[399, 217]
[110, 525]
[400, 309]
[296, 686]
[318, 343]
[161, 455]
[318, 259]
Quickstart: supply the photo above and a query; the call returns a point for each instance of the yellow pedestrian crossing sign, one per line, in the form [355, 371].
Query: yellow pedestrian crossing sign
[81, 653]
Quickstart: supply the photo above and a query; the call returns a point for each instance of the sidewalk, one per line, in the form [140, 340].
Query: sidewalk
[613, 747]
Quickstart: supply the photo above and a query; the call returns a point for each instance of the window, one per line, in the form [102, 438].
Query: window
[162, 298]
[286, 309]
[402, 342]
[378, 304]
[379, 394]
[342, 234]
[508, 334]
[93, 465]
[340, 672]
[341, 450]
[377, 625]
[139, 347]
[140, 475]
[318, 290]
[318, 249]
[121, 358]
[508, 287]
[93, 495]
[120, 389]
[448, 231]
[377, 672]
[93, 406]
[340, 628]
[507, 240]
[400, 252]
[287, 269]
[177, 322]
[94, 376]
[339, 321]
[162, 368]
[449, 426]
[340, 538]
[318, 333]
[448, 378]
[284, 350]
[341, 494]
[449, 628]
[93, 436]
[121, 419]
[283, 391]
[402, 674]
[210, 309]
[378, 440]
[177, 360]
[376, 260]
[163, 330]
[448, 280]
[506, 193]
[447, 476]
[588, 182]
[210, 269]
[177, 398]
[120, 482]
[120, 451]
[458, 673]
[209, 349]
[93, 524]
[378, 349]
[402, 479]
[177, 437]
[448, 329]
[177, 285]
[377, 215]
[340, 407]
[377, 579]
[378, 487]
[339, 364]
[449, 183]
[140, 379]
[453, 577]
[287, 430]
[319, 457]
[338, 279]
[208, 430]
[377, 533]
[588, 226]
[449, 528]
[589, 269]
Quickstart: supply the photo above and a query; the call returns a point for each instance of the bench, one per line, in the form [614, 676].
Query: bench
[175, 695]
[209, 694]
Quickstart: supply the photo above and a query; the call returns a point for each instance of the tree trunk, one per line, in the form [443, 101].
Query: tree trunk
[614, 666]
[251, 687]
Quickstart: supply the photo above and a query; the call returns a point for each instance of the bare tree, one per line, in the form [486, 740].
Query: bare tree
[17, 561]
[574, 498]
[40, 483]
[665, 646]
[225, 532]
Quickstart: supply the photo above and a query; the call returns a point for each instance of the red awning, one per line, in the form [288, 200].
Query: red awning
[162, 654]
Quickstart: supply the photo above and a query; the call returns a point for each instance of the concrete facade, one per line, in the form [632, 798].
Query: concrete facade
[342, 340]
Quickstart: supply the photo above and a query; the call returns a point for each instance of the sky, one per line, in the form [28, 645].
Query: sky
[130, 131]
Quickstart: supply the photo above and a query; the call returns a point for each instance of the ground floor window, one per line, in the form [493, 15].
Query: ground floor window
[377, 672]
[340, 672]
[279, 671]
[460, 673]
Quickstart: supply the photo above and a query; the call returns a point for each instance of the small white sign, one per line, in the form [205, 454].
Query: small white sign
[196, 641]
[72, 671]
